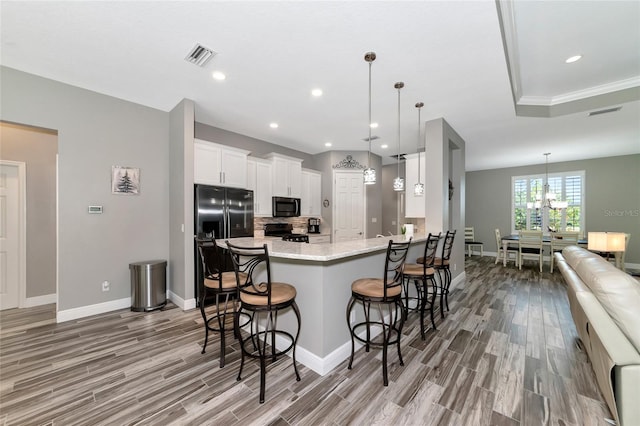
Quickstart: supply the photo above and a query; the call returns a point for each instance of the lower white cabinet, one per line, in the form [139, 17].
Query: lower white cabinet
[311, 197]
[319, 239]
[259, 173]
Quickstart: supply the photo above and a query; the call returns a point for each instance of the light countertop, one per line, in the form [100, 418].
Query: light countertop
[321, 252]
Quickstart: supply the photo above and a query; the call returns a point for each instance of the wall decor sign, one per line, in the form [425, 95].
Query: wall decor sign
[349, 163]
[125, 180]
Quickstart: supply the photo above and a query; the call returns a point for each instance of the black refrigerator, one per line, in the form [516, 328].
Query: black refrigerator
[220, 213]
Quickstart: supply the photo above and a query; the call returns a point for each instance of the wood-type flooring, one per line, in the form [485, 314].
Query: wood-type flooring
[506, 354]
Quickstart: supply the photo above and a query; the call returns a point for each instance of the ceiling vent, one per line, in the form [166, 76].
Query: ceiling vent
[605, 111]
[373, 138]
[402, 157]
[200, 55]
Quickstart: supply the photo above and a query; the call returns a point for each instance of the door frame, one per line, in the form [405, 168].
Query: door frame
[364, 202]
[22, 229]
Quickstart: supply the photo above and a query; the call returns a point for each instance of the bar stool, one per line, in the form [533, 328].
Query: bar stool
[216, 283]
[264, 299]
[441, 265]
[385, 291]
[421, 273]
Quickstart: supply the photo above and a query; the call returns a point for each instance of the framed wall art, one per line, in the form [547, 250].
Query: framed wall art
[125, 180]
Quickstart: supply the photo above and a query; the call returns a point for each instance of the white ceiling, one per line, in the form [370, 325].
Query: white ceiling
[449, 54]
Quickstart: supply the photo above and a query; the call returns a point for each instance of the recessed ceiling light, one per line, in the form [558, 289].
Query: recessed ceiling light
[385, 146]
[573, 59]
[273, 125]
[217, 75]
[316, 92]
[327, 144]
[374, 125]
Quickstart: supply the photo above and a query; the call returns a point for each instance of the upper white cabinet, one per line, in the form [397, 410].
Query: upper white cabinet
[311, 193]
[259, 180]
[219, 164]
[287, 175]
[414, 206]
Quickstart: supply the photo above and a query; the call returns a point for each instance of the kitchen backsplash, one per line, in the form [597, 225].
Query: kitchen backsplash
[299, 223]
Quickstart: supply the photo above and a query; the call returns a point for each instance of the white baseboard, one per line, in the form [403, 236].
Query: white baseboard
[99, 308]
[46, 299]
[185, 305]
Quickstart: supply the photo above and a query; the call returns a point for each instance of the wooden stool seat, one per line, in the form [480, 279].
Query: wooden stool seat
[280, 293]
[373, 287]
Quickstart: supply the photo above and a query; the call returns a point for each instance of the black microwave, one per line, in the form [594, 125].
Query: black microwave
[286, 207]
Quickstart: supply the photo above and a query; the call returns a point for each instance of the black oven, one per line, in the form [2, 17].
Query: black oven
[286, 207]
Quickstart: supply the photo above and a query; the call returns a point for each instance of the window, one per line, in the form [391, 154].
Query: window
[528, 208]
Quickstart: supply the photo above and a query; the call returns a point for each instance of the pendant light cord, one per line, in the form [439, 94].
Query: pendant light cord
[419, 105]
[369, 157]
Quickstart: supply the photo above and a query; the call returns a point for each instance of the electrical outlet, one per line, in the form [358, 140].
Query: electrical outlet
[106, 286]
[455, 266]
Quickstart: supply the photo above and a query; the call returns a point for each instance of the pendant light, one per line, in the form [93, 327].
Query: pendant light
[398, 182]
[418, 188]
[369, 172]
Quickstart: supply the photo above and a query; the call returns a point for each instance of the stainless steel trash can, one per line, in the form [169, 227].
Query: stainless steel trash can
[148, 285]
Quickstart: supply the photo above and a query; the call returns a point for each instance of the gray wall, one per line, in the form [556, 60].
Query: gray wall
[181, 264]
[325, 162]
[612, 198]
[37, 148]
[258, 147]
[96, 132]
[391, 199]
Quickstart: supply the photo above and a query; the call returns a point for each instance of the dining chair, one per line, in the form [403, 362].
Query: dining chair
[501, 253]
[530, 245]
[380, 292]
[470, 241]
[560, 240]
[263, 299]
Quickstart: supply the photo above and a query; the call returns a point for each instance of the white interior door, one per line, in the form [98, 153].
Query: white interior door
[11, 179]
[348, 205]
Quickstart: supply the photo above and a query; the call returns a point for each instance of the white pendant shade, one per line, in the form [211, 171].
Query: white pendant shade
[398, 184]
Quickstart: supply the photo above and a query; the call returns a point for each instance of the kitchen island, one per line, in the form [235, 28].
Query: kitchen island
[322, 275]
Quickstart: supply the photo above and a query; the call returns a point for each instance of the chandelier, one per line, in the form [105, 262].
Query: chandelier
[549, 201]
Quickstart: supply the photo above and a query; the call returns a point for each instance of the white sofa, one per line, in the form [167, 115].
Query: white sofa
[605, 305]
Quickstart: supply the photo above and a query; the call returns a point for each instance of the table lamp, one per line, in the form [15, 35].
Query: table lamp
[606, 242]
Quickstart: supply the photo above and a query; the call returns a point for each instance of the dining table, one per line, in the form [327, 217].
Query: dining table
[514, 238]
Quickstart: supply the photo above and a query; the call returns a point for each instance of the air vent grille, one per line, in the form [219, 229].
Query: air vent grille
[373, 138]
[605, 111]
[402, 157]
[200, 55]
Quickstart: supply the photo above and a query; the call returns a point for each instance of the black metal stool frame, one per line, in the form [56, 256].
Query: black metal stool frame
[394, 264]
[248, 263]
[420, 281]
[444, 272]
[211, 258]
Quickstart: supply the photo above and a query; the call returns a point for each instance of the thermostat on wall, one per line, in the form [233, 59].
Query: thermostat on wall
[95, 209]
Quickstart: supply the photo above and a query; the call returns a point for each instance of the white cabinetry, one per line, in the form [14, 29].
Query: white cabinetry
[259, 181]
[311, 193]
[414, 206]
[219, 164]
[287, 175]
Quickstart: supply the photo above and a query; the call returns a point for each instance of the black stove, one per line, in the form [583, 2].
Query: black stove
[285, 231]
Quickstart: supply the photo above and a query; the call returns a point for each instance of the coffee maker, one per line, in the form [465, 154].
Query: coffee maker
[313, 226]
